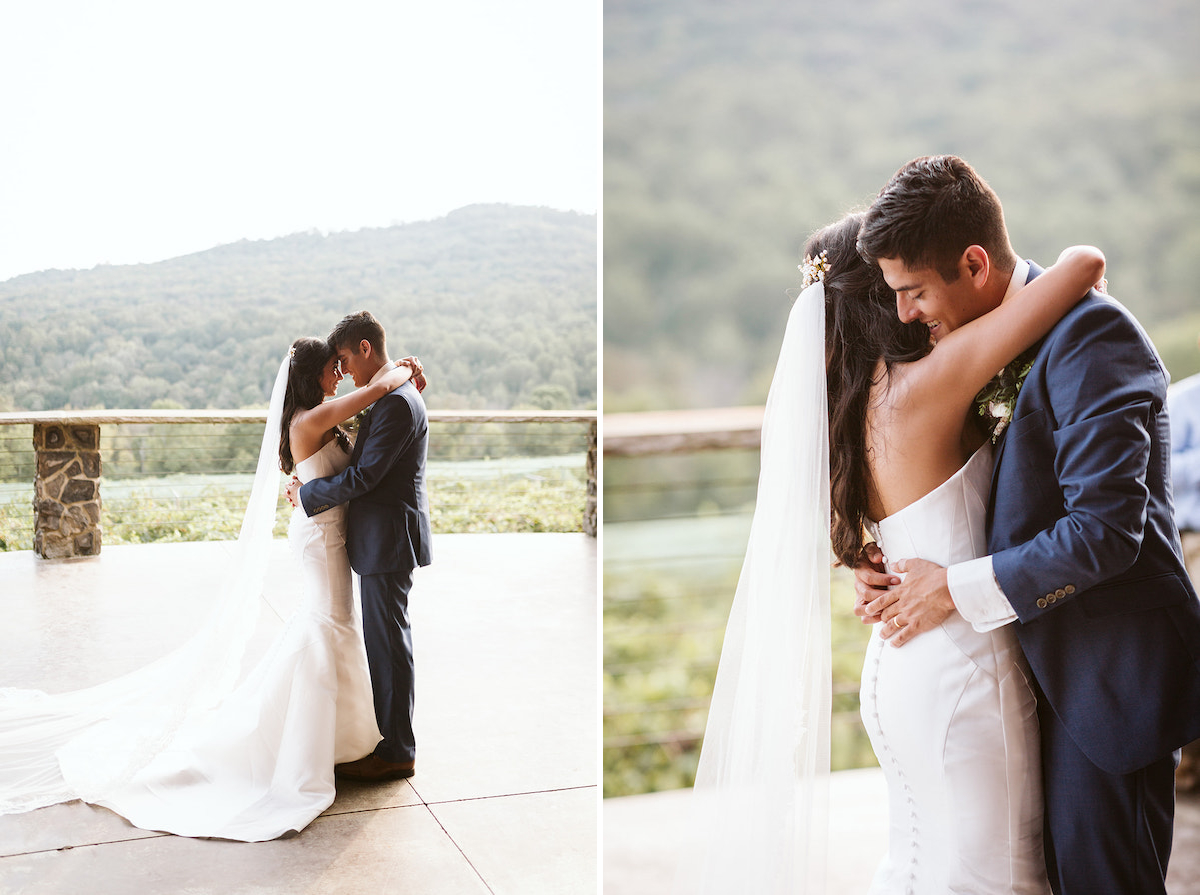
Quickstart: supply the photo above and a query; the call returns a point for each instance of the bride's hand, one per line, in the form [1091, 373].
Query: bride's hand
[918, 604]
[393, 379]
[418, 377]
[293, 492]
[871, 582]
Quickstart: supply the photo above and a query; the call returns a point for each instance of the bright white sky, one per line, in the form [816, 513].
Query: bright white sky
[137, 130]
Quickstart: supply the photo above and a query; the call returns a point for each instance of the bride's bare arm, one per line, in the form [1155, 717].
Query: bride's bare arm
[966, 359]
[328, 414]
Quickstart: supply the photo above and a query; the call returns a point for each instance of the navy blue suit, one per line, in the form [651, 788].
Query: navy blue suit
[387, 536]
[1085, 548]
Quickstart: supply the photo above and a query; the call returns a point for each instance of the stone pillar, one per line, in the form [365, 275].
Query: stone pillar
[66, 490]
[589, 509]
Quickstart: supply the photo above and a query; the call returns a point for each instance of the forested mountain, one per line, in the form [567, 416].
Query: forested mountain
[498, 301]
[734, 130]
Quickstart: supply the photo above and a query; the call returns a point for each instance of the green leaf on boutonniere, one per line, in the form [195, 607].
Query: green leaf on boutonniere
[997, 400]
[353, 425]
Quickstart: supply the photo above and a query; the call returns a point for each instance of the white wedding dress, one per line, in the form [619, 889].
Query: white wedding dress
[952, 718]
[260, 763]
[198, 742]
[951, 713]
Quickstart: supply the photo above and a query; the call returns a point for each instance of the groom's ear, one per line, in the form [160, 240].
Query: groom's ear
[364, 348]
[975, 264]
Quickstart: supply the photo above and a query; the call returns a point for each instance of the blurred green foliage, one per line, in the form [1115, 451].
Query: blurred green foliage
[190, 482]
[675, 531]
[732, 131]
[664, 623]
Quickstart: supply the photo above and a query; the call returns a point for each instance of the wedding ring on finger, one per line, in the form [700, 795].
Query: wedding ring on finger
[896, 623]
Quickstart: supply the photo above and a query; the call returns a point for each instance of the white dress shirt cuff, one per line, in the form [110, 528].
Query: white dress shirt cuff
[978, 596]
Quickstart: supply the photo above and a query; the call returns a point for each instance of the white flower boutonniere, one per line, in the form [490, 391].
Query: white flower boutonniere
[353, 425]
[996, 400]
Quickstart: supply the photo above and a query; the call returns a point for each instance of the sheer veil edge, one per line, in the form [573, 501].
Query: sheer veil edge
[759, 818]
[87, 743]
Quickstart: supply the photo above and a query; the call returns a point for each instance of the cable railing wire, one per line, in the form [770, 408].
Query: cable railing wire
[189, 480]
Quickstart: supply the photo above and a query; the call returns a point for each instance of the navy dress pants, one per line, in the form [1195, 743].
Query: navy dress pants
[1105, 833]
[388, 637]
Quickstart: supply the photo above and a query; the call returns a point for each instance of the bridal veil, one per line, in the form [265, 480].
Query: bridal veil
[86, 743]
[760, 804]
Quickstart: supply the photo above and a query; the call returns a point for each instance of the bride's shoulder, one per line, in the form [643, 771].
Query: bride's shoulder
[894, 386]
[301, 420]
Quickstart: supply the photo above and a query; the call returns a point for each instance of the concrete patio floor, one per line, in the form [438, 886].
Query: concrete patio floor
[505, 798]
[643, 834]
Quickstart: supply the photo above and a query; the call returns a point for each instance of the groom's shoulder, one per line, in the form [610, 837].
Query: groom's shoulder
[1100, 330]
[405, 399]
[1099, 317]
[1096, 310]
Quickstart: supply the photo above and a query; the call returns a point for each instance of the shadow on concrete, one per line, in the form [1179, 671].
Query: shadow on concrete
[505, 798]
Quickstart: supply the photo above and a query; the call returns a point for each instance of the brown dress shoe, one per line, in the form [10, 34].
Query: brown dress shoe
[374, 769]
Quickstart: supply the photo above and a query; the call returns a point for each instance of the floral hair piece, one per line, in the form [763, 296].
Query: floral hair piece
[292, 351]
[814, 268]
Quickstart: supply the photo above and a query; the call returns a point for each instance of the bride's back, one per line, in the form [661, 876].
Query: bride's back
[914, 442]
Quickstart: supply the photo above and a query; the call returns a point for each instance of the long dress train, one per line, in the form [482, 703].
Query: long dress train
[260, 763]
[184, 744]
[953, 720]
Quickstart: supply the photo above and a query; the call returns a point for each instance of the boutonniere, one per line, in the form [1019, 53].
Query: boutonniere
[996, 400]
[355, 424]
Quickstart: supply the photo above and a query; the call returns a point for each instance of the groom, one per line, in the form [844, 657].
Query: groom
[387, 536]
[1084, 554]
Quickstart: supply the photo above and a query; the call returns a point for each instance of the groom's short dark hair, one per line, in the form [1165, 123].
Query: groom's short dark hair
[353, 328]
[927, 215]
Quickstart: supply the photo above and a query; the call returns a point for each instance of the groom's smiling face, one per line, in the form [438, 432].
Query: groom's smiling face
[355, 365]
[923, 295]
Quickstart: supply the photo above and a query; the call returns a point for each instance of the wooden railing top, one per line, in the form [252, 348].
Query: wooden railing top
[681, 431]
[96, 417]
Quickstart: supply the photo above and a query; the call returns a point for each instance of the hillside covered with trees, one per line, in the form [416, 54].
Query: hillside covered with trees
[734, 130]
[498, 301]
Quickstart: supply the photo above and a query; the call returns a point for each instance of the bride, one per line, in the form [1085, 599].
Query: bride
[183, 746]
[952, 717]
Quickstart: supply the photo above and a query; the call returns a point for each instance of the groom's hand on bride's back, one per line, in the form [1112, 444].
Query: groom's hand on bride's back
[871, 582]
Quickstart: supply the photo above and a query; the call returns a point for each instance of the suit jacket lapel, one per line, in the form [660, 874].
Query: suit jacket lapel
[997, 453]
[360, 439]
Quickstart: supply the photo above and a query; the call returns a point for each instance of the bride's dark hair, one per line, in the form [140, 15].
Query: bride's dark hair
[861, 326]
[309, 357]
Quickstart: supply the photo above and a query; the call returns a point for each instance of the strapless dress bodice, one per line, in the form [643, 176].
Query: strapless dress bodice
[953, 720]
[329, 460]
[947, 525]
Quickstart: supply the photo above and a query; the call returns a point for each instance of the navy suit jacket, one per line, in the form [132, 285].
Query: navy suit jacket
[387, 518]
[1084, 543]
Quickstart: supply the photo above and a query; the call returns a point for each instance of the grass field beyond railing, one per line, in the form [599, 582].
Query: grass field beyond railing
[186, 475]
[679, 494]
[539, 497]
